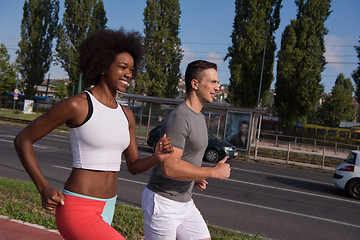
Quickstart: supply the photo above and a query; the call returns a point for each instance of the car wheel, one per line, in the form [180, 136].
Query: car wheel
[211, 155]
[354, 188]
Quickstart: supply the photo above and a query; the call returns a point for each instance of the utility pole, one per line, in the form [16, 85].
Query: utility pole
[47, 85]
[262, 70]
[16, 91]
[79, 88]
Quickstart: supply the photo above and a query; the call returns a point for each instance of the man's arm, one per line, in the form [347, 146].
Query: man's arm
[176, 168]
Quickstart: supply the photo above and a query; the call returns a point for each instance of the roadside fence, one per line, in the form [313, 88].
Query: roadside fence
[307, 152]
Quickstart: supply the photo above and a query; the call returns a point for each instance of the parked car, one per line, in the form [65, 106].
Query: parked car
[347, 174]
[215, 151]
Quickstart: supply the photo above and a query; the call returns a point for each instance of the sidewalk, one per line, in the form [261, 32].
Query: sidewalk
[11, 229]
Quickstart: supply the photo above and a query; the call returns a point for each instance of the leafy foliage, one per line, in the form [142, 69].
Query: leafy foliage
[254, 26]
[61, 90]
[338, 107]
[162, 60]
[301, 61]
[79, 19]
[356, 75]
[7, 71]
[38, 28]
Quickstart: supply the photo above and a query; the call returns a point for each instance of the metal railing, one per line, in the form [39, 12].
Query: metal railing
[278, 138]
[309, 152]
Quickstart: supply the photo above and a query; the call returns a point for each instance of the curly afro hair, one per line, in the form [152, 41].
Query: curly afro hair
[99, 49]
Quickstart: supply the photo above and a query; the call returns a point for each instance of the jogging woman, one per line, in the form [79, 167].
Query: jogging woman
[101, 131]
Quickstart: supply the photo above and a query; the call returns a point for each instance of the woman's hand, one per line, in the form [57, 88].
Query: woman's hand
[51, 198]
[200, 184]
[163, 148]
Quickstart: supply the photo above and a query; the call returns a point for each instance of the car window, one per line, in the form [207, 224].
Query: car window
[351, 158]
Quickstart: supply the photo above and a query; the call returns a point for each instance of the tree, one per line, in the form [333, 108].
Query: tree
[162, 60]
[356, 75]
[338, 107]
[80, 18]
[253, 31]
[7, 71]
[61, 90]
[38, 28]
[301, 61]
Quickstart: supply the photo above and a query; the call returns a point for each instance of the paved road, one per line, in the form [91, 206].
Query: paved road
[278, 202]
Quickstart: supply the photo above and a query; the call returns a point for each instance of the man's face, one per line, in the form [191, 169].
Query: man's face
[244, 128]
[207, 85]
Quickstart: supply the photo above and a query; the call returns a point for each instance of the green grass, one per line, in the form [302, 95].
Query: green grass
[24, 116]
[18, 114]
[298, 157]
[20, 200]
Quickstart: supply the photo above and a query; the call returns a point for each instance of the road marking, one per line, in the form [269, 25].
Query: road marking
[276, 188]
[284, 176]
[275, 175]
[132, 181]
[44, 147]
[7, 136]
[246, 204]
[279, 210]
[294, 191]
[61, 167]
[8, 141]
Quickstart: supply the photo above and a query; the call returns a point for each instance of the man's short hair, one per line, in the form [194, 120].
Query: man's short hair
[194, 69]
[244, 123]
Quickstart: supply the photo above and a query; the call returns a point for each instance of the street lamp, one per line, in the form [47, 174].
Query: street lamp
[80, 74]
[262, 70]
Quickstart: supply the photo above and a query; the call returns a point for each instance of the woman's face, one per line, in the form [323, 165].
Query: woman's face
[119, 74]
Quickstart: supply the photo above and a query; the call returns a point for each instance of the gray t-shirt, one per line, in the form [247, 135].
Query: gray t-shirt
[187, 131]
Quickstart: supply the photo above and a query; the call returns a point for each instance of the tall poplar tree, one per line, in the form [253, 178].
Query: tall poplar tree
[162, 60]
[338, 107]
[356, 75]
[80, 18]
[38, 28]
[301, 61]
[253, 31]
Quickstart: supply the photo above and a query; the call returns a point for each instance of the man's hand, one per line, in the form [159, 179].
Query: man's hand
[222, 169]
[163, 148]
[200, 184]
[51, 198]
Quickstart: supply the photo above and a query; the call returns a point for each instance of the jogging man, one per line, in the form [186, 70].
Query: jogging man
[168, 208]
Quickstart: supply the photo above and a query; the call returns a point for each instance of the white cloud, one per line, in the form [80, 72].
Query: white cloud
[334, 51]
[188, 56]
[215, 58]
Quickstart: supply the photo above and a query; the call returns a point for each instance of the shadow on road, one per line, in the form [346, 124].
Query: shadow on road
[310, 186]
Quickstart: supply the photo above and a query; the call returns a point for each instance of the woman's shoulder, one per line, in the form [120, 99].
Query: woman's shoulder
[76, 101]
[71, 105]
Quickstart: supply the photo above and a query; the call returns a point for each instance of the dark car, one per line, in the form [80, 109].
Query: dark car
[215, 151]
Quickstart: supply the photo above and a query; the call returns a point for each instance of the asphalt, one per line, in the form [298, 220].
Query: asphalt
[11, 229]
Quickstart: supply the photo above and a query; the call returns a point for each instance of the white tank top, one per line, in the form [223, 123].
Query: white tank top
[98, 143]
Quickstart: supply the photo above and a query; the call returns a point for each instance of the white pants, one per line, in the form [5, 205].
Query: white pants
[166, 219]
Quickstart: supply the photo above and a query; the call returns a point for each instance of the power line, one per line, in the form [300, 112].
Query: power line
[342, 63]
[224, 53]
[202, 43]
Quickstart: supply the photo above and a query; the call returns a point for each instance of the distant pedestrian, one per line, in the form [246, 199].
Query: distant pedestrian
[100, 130]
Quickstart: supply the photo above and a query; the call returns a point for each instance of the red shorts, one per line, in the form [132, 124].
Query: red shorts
[83, 217]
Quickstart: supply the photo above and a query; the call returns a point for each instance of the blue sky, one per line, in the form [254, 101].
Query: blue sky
[205, 29]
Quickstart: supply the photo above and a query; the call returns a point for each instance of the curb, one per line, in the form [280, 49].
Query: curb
[29, 224]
